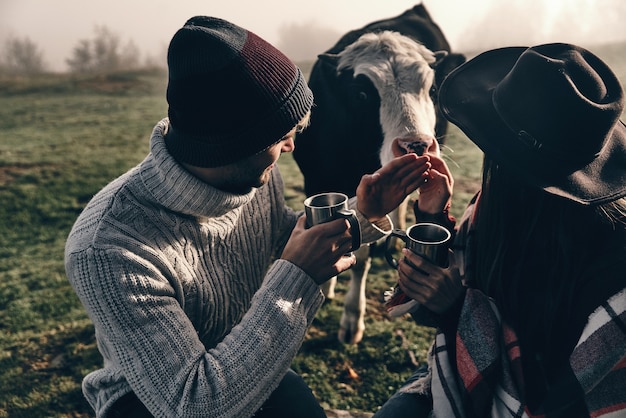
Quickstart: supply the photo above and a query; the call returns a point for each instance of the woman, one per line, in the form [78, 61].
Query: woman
[531, 313]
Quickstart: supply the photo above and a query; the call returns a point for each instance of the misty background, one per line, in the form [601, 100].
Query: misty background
[141, 29]
[500, 23]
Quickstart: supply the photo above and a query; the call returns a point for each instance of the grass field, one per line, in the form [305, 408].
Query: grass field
[62, 139]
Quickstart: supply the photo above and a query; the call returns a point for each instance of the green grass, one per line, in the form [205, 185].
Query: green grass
[62, 139]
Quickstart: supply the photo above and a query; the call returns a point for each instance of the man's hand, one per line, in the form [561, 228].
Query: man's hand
[381, 192]
[320, 250]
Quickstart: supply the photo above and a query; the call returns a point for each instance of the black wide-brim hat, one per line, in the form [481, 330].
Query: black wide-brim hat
[550, 114]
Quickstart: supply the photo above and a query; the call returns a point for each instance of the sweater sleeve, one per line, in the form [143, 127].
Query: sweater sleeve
[145, 333]
[370, 232]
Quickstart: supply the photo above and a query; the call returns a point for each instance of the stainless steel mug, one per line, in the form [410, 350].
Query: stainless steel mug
[326, 207]
[429, 240]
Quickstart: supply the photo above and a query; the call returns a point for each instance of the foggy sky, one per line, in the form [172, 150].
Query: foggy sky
[303, 29]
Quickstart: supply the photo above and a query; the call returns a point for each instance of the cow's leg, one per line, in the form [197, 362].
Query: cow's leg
[352, 324]
[328, 288]
[398, 217]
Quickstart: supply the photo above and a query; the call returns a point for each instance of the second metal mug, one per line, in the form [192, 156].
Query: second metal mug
[429, 240]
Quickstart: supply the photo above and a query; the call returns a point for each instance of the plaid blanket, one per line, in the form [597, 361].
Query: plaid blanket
[488, 378]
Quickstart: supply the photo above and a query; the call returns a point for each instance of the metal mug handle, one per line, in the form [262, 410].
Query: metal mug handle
[398, 233]
[429, 240]
[355, 228]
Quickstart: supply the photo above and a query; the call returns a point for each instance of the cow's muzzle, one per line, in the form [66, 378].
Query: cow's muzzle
[419, 144]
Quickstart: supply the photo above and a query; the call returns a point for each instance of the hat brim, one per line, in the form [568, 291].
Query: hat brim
[465, 98]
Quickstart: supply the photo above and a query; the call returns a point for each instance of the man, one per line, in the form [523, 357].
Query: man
[200, 282]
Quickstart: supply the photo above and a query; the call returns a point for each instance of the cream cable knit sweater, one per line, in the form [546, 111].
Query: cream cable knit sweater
[190, 310]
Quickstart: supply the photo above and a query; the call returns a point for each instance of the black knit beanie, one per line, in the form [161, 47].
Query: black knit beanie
[230, 93]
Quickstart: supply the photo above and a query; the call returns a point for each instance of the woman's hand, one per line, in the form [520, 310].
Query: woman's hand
[381, 192]
[434, 287]
[435, 193]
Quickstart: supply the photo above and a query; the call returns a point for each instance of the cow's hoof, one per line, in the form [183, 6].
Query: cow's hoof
[347, 336]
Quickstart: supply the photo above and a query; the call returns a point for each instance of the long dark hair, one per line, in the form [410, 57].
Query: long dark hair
[536, 252]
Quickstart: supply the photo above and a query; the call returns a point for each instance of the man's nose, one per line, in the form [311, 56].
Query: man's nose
[288, 145]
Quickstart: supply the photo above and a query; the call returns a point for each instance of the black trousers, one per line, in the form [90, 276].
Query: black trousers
[292, 399]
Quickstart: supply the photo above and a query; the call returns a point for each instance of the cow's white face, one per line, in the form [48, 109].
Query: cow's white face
[401, 71]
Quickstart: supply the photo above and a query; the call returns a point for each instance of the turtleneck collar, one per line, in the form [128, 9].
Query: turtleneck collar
[179, 190]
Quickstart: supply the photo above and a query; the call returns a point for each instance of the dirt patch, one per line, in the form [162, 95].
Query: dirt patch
[131, 82]
[10, 173]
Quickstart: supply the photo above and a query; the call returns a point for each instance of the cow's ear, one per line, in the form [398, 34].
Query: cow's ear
[439, 57]
[331, 59]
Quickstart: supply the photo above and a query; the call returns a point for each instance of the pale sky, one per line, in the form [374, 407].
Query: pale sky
[56, 26]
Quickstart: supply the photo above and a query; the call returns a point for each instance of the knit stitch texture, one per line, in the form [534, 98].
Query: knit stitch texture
[192, 311]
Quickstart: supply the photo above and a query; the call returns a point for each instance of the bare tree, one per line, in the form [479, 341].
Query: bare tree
[103, 53]
[130, 56]
[22, 56]
[106, 49]
[82, 59]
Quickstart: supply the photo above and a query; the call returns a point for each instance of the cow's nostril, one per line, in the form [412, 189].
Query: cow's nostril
[418, 147]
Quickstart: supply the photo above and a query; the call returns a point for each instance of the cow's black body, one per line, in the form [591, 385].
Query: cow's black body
[344, 138]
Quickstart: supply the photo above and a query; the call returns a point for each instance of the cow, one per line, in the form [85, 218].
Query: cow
[373, 90]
